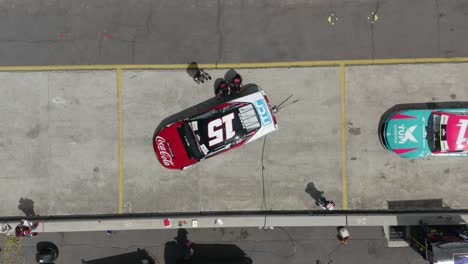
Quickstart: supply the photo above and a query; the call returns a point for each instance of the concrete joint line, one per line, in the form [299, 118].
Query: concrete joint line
[120, 136]
[344, 180]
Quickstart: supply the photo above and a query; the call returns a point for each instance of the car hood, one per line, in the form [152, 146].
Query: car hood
[457, 132]
[169, 148]
[406, 133]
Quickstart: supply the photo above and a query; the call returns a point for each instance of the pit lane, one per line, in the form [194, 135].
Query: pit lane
[83, 143]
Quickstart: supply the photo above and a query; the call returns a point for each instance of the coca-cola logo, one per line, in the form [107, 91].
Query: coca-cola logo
[165, 156]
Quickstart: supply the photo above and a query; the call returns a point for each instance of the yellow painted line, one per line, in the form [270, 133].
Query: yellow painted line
[344, 179]
[406, 61]
[120, 125]
[340, 62]
[58, 67]
[162, 66]
[421, 245]
[236, 65]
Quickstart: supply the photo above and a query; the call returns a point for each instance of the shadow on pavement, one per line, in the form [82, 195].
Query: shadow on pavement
[26, 205]
[314, 192]
[423, 204]
[192, 69]
[175, 252]
[139, 256]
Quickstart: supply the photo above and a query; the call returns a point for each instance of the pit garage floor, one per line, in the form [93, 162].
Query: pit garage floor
[79, 142]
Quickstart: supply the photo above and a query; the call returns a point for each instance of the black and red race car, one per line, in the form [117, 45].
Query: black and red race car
[223, 127]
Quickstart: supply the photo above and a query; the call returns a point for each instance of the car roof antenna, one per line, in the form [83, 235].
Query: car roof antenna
[276, 108]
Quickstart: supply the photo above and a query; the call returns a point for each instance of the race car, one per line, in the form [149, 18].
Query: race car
[225, 126]
[426, 132]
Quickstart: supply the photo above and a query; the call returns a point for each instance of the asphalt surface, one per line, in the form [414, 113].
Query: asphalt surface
[288, 245]
[227, 31]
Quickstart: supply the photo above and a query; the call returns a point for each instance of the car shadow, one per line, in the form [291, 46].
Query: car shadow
[176, 253]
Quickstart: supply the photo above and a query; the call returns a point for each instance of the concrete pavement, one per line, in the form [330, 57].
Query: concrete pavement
[371, 171]
[61, 142]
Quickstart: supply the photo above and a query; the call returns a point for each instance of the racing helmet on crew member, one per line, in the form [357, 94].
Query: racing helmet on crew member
[223, 89]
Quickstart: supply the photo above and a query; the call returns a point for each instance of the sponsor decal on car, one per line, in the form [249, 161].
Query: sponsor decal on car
[204, 149]
[165, 156]
[444, 145]
[461, 139]
[444, 119]
[221, 129]
[403, 134]
[263, 112]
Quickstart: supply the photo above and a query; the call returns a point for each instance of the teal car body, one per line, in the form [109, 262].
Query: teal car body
[426, 132]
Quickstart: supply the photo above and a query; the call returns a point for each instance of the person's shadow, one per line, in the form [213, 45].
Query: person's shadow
[181, 235]
[192, 69]
[27, 206]
[174, 253]
[314, 192]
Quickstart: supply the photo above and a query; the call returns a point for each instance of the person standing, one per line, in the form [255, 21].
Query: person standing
[25, 228]
[234, 80]
[222, 89]
[236, 83]
[201, 76]
[325, 204]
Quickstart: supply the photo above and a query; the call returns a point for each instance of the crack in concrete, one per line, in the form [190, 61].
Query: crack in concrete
[373, 30]
[133, 48]
[49, 145]
[219, 32]
[30, 41]
[148, 19]
[372, 42]
[100, 37]
[438, 15]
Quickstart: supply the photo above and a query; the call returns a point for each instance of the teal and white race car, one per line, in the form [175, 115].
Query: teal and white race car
[427, 132]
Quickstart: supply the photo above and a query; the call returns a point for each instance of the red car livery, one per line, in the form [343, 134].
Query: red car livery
[453, 133]
[224, 127]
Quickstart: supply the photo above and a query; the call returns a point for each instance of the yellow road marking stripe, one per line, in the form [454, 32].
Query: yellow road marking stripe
[58, 67]
[120, 125]
[344, 178]
[421, 245]
[234, 65]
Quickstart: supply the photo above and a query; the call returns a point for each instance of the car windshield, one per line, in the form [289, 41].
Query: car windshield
[220, 128]
[433, 132]
[190, 143]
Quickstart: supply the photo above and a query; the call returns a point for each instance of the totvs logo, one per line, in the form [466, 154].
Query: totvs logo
[263, 111]
[461, 139]
[405, 135]
[165, 156]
